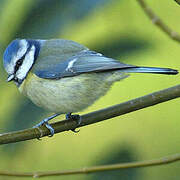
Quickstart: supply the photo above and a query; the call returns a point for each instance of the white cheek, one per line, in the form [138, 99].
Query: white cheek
[10, 67]
[27, 64]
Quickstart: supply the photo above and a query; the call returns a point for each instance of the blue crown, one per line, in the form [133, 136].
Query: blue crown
[10, 51]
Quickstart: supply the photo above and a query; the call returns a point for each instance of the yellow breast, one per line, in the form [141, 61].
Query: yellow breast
[71, 94]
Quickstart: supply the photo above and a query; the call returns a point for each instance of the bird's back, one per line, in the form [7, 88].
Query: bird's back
[56, 51]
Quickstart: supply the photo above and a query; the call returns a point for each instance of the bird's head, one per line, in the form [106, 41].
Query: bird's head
[19, 58]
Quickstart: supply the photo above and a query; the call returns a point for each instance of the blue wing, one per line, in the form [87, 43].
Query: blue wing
[83, 62]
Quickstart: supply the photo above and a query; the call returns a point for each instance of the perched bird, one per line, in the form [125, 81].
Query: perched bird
[63, 76]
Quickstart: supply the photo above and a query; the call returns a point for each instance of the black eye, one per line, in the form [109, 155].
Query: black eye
[18, 64]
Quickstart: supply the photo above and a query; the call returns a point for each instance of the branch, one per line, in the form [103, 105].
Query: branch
[156, 162]
[178, 1]
[94, 117]
[158, 22]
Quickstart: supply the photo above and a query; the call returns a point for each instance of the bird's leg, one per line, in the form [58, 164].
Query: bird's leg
[75, 117]
[48, 126]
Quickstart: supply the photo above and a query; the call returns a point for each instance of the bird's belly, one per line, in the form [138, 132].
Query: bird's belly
[71, 94]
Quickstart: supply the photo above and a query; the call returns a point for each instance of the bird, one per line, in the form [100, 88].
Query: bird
[63, 76]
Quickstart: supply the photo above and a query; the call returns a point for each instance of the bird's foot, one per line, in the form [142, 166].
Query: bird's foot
[48, 126]
[76, 118]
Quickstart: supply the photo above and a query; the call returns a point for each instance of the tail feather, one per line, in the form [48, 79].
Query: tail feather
[150, 70]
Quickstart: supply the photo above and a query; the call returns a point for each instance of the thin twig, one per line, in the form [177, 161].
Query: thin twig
[158, 22]
[94, 117]
[156, 162]
[178, 1]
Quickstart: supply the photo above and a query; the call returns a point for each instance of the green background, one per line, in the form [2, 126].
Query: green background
[118, 29]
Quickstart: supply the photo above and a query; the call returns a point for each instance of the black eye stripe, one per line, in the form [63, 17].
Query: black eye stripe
[20, 61]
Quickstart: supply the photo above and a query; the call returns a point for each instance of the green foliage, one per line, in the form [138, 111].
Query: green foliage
[120, 30]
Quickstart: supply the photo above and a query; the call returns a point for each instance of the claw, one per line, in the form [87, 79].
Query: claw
[51, 129]
[75, 131]
[75, 117]
[79, 121]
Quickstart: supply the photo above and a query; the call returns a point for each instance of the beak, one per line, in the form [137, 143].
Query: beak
[10, 77]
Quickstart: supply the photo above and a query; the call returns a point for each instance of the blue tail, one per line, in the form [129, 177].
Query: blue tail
[150, 70]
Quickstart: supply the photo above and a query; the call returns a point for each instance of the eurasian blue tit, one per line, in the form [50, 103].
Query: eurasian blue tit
[63, 76]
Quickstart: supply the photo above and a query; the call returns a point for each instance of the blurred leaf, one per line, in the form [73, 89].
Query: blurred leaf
[48, 16]
[122, 46]
[13, 14]
[25, 116]
[118, 154]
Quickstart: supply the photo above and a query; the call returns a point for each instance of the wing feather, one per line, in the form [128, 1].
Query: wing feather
[83, 62]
